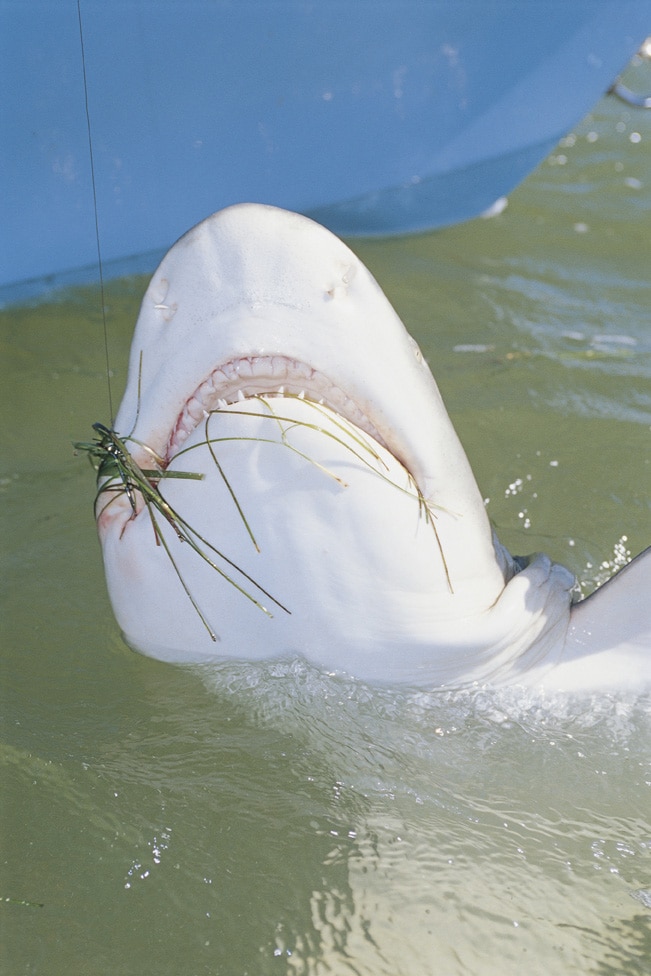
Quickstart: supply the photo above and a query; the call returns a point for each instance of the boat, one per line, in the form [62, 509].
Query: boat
[130, 122]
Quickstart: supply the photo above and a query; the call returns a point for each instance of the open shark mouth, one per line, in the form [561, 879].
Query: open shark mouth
[270, 376]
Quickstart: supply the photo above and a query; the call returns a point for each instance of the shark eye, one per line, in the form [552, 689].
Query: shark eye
[416, 350]
[158, 290]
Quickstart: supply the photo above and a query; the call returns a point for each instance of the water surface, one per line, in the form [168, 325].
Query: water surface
[273, 819]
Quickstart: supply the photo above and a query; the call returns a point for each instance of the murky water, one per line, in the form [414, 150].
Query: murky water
[272, 819]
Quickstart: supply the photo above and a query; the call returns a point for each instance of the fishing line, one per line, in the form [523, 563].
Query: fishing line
[97, 240]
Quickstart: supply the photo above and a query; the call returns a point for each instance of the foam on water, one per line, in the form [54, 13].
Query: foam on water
[453, 820]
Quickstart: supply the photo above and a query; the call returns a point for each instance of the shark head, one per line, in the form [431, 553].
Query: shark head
[306, 490]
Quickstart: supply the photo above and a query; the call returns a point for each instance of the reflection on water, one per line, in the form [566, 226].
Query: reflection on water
[275, 819]
[258, 813]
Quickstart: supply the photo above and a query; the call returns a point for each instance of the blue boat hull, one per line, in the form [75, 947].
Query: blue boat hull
[375, 118]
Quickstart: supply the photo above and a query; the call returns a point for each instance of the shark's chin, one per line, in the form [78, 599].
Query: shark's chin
[307, 519]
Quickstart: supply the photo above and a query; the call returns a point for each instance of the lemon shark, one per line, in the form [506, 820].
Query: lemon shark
[283, 479]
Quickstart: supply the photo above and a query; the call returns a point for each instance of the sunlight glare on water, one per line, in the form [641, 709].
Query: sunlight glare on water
[273, 818]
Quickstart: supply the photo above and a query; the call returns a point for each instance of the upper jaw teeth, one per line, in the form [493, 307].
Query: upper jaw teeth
[256, 376]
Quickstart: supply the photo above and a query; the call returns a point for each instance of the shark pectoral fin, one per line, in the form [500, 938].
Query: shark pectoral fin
[616, 618]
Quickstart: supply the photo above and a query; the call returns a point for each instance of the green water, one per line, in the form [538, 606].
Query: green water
[272, 819]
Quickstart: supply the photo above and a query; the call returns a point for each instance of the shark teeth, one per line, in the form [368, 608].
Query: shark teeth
[234, 381]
